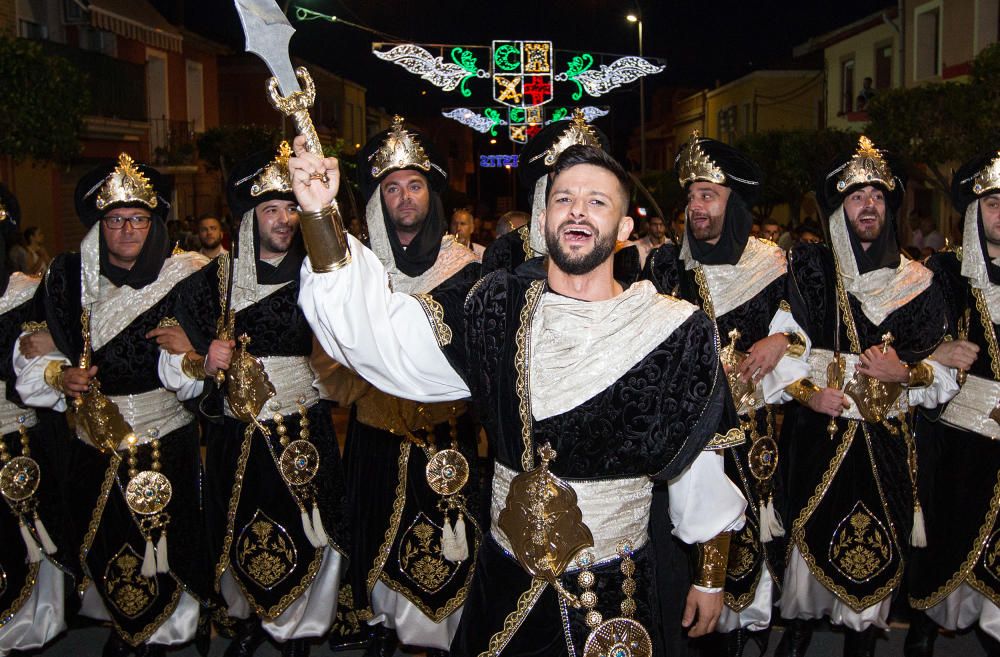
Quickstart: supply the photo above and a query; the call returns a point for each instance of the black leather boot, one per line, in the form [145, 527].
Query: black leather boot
[295, 648]
[795, 640]
[860, 644]
[989, 644]
[248, 636]
[921, 636]
[116, 646]
[151, 650]
[382, 642]
[760, 639]
[736, 641]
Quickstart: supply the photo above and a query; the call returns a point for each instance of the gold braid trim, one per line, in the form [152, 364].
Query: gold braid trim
[732, 438]
[234, 501]
[34, 327]
[397, 512]
[525, 232]
[740, 603]
[29, 585]
[525, 603]
[802, 390]
[102, 500]
[964, 572]
[523, 341]
[435, 315]
[989, 330]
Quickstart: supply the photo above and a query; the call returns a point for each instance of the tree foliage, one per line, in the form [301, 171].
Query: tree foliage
[792, 161]
[222, 147]
[43, 98]
[939, 125]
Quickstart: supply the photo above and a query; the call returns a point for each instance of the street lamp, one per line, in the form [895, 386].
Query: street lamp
[637, 18]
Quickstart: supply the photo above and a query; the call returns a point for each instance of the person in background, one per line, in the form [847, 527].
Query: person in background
[770, 230]
[462, 225]
[39, 256]
[210, 236]
[511, 221]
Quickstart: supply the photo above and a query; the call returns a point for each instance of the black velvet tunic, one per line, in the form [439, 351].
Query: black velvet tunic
[653, 421]
[508, 251]
[263, 544]
[850, 500]
[959, 472]
[47, 445]
[753, 319]
[101, 524]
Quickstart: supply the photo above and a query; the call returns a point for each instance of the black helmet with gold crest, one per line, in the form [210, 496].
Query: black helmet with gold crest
[121, 184]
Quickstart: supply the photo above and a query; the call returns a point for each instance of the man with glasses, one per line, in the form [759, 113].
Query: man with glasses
[135, 488]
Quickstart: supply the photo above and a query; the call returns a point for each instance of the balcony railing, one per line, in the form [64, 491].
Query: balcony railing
[117, 88]
[172, 141]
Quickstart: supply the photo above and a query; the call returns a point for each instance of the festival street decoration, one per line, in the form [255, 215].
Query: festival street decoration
[522, 123]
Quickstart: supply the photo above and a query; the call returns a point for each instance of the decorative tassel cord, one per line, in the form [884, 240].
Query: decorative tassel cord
[454, 546]
[770, 523]
[48, 545]
[34, 552]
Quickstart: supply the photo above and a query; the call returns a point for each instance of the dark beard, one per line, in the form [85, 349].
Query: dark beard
[211, 245]
[604, 247]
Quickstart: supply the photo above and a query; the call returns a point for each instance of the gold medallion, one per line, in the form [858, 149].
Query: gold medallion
[299, 462]
[618, 637]
[148, 492]
[447, 472]
[19, 478]
[763, 458]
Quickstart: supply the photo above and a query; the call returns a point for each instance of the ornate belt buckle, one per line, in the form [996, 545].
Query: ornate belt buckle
[543, 522]
[873, 397]
[249, 388]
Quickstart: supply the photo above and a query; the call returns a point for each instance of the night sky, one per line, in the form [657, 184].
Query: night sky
[701, 41]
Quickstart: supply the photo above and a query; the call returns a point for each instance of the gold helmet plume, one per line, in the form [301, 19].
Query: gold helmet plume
[694, 164]
[577, 134]
[988, 178]
[275, 176]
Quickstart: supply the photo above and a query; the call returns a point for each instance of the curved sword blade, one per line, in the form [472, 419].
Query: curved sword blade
[268, 33]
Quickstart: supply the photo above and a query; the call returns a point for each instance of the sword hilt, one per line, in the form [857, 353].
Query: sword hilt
[296, 105]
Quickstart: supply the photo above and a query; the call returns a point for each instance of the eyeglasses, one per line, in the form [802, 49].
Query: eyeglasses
[137, 222]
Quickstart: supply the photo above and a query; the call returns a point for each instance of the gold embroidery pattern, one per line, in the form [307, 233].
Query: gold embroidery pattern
[525, 603]
[749, 534]
[798, 528]
[347, 622]
[523, 341]
[707, 305]
[131, 593]
[420, 556]
[265, 551]
[18, 602]
[784, 305]
[525, 232]
[435, 314]
[991, 560]
[732, 438]
[965, 570]
[861, 548]
[743, 551]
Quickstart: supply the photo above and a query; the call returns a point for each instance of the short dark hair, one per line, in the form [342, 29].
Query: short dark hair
[580, 154]
[30, 232]
[203, 217]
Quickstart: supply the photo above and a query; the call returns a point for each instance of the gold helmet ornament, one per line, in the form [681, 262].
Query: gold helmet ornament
[987, 179]
[866, 167]
[275, 176]
[694, 164]
[399, 150]
[577, 134]
[126, 185]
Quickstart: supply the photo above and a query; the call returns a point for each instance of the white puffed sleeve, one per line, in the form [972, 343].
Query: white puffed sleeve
[382, 335]
[174, 378]
[790, 368]
[31, 385]
[941, 390]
